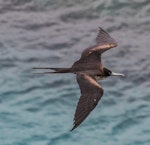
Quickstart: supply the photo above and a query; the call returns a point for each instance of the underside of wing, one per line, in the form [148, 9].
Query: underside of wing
[104, 38]
[103, 42]
[91, 92]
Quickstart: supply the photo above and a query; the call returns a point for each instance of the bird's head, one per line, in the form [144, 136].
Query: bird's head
[108, 73]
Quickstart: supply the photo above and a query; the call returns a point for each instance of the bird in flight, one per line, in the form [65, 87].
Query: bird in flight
[88, 70]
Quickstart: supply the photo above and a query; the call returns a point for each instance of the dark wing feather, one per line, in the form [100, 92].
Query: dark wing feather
[104, 38]
[104, 42]
[91, 92]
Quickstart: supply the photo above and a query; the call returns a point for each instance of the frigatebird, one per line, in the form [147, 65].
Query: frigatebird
[88, 70]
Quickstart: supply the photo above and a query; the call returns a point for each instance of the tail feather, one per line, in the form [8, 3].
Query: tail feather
[56, 70]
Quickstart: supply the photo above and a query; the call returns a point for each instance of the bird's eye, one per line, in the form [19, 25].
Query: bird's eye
[107, 72]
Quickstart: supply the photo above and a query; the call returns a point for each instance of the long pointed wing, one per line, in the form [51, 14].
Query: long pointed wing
[104, 42]
[104, 38]
[91, 93]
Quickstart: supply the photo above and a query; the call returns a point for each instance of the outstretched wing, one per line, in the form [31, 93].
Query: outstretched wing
[104, 42]
[104, 38]
[91, 93]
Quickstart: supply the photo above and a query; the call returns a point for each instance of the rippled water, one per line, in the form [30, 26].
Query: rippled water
[39, 109]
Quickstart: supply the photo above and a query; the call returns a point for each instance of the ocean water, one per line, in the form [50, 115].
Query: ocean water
[39, 109]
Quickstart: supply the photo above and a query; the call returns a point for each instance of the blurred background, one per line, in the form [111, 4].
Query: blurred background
[39, 109]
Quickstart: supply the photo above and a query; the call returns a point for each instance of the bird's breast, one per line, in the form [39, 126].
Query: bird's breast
[99, 77]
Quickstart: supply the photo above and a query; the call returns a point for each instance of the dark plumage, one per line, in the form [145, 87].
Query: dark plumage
[88, 70]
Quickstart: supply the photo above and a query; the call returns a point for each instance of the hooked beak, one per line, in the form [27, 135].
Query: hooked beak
[117, 74]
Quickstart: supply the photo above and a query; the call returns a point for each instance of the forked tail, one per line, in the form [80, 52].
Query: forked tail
[56, 70]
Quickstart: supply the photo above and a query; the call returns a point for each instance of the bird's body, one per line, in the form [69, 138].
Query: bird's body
[88, 70]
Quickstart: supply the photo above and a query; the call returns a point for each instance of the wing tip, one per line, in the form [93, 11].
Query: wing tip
[101, 29]
[72, 128]
[108, 38]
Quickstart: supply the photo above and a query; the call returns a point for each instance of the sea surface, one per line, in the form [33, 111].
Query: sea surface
[39, 109]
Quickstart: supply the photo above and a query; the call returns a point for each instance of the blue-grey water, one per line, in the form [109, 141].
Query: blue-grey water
[39, 109]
